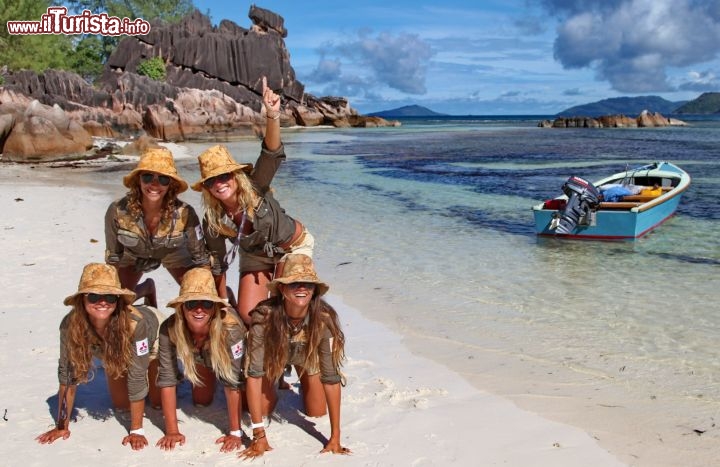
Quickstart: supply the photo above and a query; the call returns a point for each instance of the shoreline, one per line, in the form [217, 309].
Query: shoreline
[398, 407]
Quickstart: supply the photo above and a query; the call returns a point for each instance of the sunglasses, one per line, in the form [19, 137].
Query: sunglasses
[204, 304]
[148, 178]
[222, 178]
[107, 298]
[304, 285]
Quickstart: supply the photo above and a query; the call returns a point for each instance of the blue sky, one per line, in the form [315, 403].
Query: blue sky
[495, 57]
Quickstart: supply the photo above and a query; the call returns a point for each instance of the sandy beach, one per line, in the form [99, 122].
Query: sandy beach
[397, 409]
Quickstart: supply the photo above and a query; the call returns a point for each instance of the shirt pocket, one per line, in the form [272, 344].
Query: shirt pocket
[127, 238]
[175, 241]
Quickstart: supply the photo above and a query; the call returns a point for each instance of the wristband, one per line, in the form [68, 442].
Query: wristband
[138, 431]
[237, 433]
[272, 116]
[257, 425]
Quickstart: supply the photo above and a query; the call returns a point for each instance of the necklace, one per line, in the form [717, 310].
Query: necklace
[295, 324]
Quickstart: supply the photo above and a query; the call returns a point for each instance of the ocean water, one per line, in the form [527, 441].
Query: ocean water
[428, 228]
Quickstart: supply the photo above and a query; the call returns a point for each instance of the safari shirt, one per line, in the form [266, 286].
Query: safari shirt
[169, 373]
[128, 240]
[143, 339]
[271, 225]
[329, 373]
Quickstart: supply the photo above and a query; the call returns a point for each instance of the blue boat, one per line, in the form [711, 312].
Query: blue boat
[623, 206]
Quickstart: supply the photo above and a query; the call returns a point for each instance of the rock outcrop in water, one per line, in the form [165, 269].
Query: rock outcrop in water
[645, 119]
[212, 91]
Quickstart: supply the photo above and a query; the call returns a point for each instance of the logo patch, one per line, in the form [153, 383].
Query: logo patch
[142, 347]
[237, 350]
[199, 232]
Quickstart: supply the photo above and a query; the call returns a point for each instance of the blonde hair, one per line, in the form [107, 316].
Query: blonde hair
[115, 348]
[277, 346]
[170, 200]
[246, 196]
[219, 345]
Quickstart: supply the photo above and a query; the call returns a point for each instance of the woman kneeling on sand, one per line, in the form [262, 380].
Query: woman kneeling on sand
[104, 324]
[296, 326]
[208, 338]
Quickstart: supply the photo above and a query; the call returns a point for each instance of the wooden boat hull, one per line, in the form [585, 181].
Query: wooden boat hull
[625, 220]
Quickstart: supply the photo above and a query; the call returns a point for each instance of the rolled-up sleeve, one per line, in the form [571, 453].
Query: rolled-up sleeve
[65, 371]
[113, 248]
[328, 371]
[195, 239]
[168, 370]
[256, 346]
[266, 166]
[137, 378]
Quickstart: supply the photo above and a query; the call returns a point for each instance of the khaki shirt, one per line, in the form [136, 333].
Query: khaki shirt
[127, 239]
[271, 225]
[169, 373]
[143, 339]
[329, 373]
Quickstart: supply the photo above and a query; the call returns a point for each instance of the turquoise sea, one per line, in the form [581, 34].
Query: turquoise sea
[428, 228]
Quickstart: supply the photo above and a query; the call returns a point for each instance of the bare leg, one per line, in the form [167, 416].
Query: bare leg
[313, 394]
[146, 291]
[203, 395]
[178, 273]
[129, 277]
[117, 387]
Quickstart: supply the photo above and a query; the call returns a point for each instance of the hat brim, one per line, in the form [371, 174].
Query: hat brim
[231, 168]
[321, 288]
[128, 295]
[194, 296]
[129, 179]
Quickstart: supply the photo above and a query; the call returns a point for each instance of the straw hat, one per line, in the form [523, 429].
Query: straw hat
[197, 284]
[215, 161]
[158, 160]
[100, 278]
[298, 268]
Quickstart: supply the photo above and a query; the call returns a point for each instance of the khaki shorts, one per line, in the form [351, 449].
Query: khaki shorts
[251, 263]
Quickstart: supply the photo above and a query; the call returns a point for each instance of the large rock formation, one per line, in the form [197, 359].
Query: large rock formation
[212, 90]
[644, 120]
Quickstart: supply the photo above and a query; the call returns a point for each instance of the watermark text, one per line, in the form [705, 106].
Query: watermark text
[57, 21]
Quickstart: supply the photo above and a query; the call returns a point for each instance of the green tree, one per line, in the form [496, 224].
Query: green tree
[153, 68]
[31, 52]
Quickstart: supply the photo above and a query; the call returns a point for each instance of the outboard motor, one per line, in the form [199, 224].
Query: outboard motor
[583, 200]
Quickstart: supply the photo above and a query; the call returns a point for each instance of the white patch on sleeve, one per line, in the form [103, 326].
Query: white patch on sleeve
[237, 350]
[330, 341]
[199, 232]
[142, 347]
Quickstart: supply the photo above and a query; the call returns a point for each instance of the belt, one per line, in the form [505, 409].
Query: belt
[297, 237]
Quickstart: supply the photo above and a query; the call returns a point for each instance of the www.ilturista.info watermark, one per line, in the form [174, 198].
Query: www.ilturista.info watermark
[57, 21]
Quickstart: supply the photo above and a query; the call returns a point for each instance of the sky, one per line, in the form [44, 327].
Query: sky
[495, 57]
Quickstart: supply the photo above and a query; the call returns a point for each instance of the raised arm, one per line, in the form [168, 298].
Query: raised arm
[271, 101]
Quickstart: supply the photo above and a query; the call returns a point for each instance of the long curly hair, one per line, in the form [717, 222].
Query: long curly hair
[219, 343]
[116, 348]
[247, 198]
[170, 200]
[277, 330]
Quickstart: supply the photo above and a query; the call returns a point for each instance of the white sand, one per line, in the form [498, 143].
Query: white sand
[397, 409]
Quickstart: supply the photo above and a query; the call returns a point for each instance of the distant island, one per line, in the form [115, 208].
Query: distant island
[407, 111]
[706, 103]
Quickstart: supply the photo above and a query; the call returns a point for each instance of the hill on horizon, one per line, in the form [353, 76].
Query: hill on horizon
[623, 105]
[407, 111]
[706, 103]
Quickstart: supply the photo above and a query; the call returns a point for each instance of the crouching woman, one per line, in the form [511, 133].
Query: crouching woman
[104, 324]
[296, 327]
[208, 337]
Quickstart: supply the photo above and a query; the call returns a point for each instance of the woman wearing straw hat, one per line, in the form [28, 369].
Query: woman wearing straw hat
[208, 338]
[104, 324]
[240, 207]
[150, 226]
[296, 326]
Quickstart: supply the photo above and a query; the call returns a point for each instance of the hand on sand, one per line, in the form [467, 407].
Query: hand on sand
[50, 436]
[256, 449]
[334, 447]
[167, 442]
[136, 442]
[229, 443]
